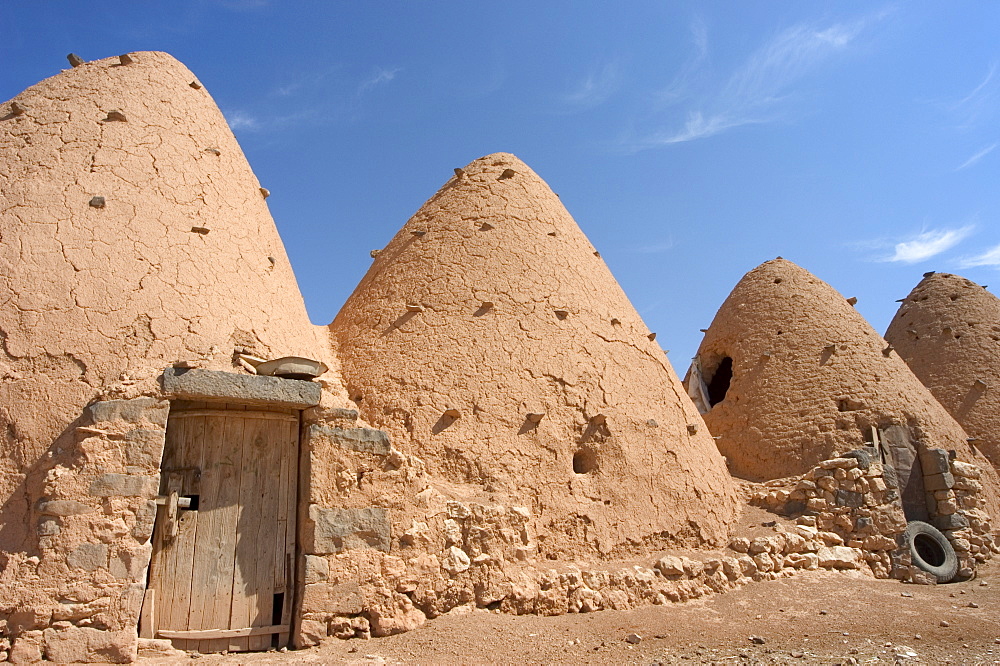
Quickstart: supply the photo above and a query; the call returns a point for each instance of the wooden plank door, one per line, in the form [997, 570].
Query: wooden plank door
[221, 578]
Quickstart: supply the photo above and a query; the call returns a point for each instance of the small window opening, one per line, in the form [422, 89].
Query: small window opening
[718, 385]
[584, 461]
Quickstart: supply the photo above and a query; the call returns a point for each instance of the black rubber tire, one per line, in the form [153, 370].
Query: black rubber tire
[863, 457]
[930, 550]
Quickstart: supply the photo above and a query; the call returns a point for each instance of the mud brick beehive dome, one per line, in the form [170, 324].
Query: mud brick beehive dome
[134, 235]
[491, 340]
[948, 332]
[795, 375]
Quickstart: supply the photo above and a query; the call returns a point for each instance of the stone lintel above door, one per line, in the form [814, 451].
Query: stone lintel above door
[198, 384]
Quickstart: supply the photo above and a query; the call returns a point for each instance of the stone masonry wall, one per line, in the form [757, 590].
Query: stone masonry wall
[387, 547]
[77, 598]
[859, 508]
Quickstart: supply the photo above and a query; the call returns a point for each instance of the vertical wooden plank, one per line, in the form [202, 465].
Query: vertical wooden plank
[220, 539]
[285, 564]
[249, 522]
[174, 599]
[268, 464]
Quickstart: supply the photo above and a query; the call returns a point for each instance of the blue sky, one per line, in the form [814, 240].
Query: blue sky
[691, 141]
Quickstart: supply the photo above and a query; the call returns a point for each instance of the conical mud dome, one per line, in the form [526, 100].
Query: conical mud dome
[491, 340]
[134, 235]
[794, 375]
[948, 332]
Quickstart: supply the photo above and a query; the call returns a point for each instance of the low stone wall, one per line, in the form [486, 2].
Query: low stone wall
[77, 598]
[860, 508]
[385, 550]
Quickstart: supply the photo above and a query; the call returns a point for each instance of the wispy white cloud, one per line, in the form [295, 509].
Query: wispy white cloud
[978, 156]
[980, 103]
[927, 244]
[241, 120]
[245, 121]
[754, 92]
[978, 89]
[379, 76]
[594, 89]
[681, 86]
[990, 257]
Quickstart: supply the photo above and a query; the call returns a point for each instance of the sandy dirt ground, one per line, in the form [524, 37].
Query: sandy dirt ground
[812, 618]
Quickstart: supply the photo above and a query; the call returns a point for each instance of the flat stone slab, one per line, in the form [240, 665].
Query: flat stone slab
[198, 384]
[338, 530]
[362, 440]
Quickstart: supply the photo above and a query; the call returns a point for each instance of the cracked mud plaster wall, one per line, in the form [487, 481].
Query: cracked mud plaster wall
[810, 377]
[491, 341]
[948, 332]
[182, 262]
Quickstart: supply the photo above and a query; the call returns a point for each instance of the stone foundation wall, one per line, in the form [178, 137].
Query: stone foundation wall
[386, 548]
[77, 597]
[860, 509]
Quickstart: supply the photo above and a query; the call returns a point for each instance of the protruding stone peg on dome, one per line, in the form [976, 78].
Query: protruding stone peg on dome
[888, 351]
[853, 300]
[486, 226]
[830, 348]
[486, 305]
[980, 384]
[561, 314]
[114, 115]
[692, 428]
[16, 109]
[414, 307]
[75, 60]
[215, 151]
[507, 173]
[374, 253]
[452, 413]
[651, 336]
[615, 321]
[598, 419]
[900, 300]
[265, 192]
[125, 59]
[200, 230]
[534, 417]
[929, 273]
[97, 202]
[418, 232]
[459, 173]
[195, 85]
